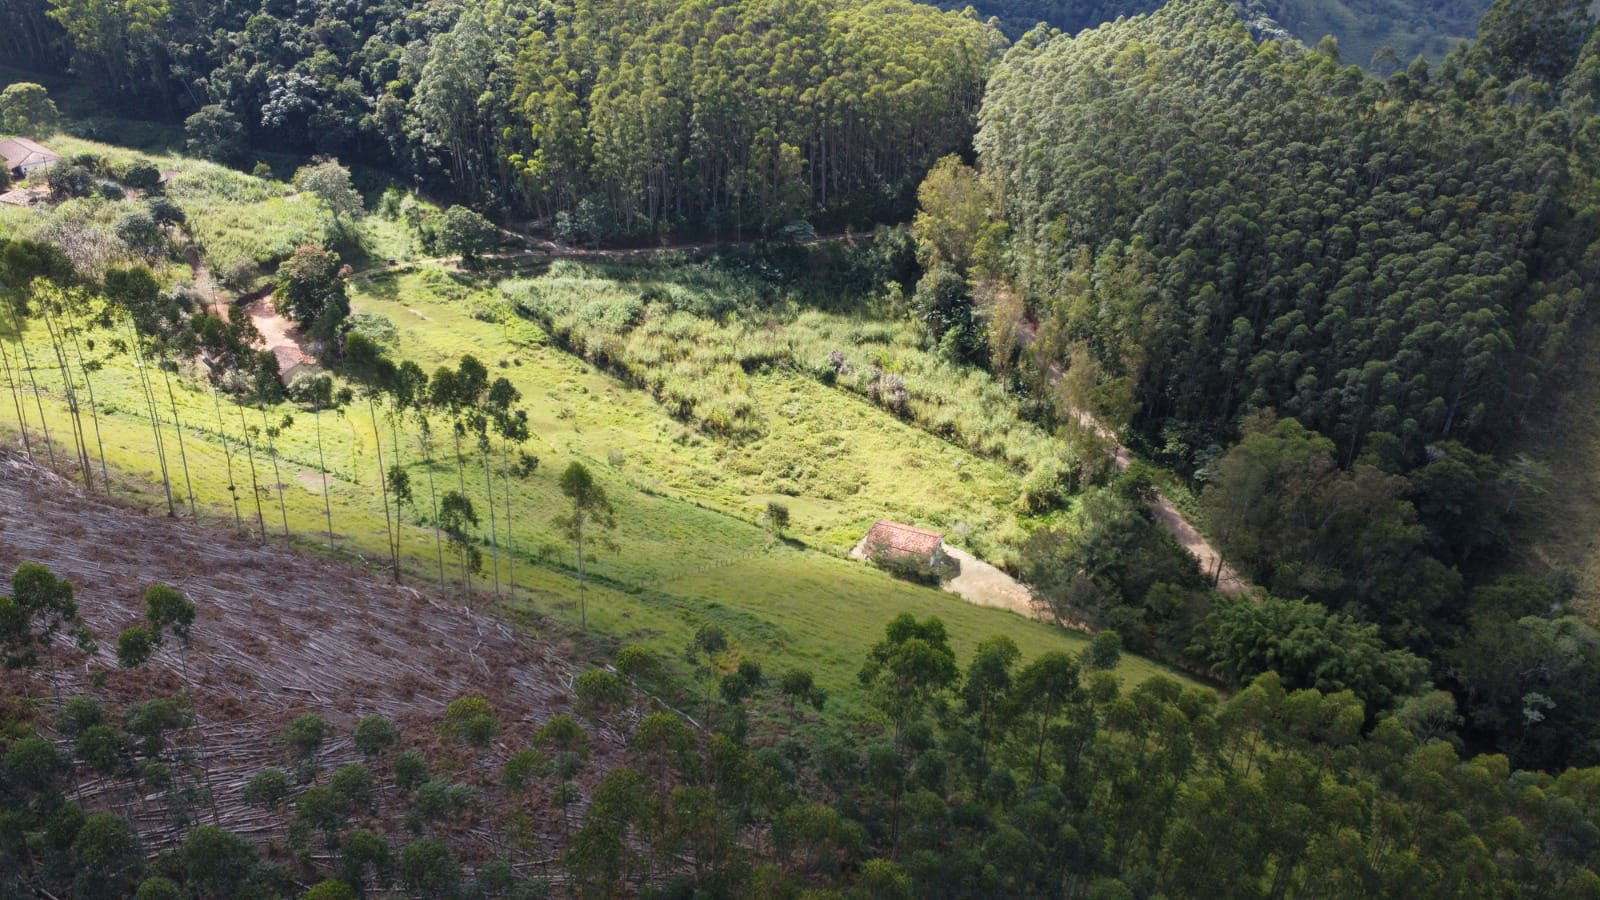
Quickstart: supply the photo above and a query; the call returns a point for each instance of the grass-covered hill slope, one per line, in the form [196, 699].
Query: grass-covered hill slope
[690, 546]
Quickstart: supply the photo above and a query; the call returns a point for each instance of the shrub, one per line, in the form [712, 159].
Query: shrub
[599, 692]
[68, 180]
[470, 720]
[429, 869]
[374, 735]
[410, 770]
[305, 735]
[637, 663]
[141, 174]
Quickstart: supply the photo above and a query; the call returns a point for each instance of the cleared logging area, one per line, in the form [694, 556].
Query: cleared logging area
[277, 634]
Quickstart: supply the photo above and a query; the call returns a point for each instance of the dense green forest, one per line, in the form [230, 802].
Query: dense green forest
[1326, 298]
[995, 775]
[606, 118]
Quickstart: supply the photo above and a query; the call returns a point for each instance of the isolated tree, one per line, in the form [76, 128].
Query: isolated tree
[22, 263]
[477, 421]
[142, 233]
[214, 133]
[169, 612]
[304, 737]
[495, 415]
[321, 394]
[800, 686]
[330, 182]
[512, 426]
[1104, 652]
[469, 720]
[66, 313]
[55, 305]
[417, 389]
[225, 348]
[464, 232]
[68, 180]
[402, 386]
[638, 665]
[590, 511]
[26, 109]
[777, 517]
[909, 669]
[366, 364]
[267, 790]
[459, 393]
[598, 693]
[40, 607]
[456, 516]
[709, 642]
[311, 290]
[142, 174]
[374, 735]
[135, 645]
[149, 315]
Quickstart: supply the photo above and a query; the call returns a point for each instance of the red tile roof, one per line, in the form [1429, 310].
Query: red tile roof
[903, 538]
[290, 356]
[21, 152]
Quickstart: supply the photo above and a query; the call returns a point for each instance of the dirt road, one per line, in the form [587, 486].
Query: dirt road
[1167, 516]
[984, 585]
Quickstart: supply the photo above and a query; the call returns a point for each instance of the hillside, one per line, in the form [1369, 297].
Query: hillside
[743, 341]
[1380, 35]
[604, 449]
[278, 633]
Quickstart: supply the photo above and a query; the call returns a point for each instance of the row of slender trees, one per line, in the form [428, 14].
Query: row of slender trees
[127, 312]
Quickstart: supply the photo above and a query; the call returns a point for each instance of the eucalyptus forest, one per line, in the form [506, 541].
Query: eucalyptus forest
[458, 450]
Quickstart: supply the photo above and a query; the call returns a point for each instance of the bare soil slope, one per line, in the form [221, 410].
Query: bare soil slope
[278, 633]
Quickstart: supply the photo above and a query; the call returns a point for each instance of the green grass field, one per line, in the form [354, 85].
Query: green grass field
[690, 546]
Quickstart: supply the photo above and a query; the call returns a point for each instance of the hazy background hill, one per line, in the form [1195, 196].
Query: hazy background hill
[1364, 27]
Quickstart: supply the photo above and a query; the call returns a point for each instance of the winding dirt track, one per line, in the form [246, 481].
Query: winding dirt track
[1167, 516]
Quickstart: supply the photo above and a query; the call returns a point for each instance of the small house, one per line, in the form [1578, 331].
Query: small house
[23, 156]
[905, 543]
[294, 363]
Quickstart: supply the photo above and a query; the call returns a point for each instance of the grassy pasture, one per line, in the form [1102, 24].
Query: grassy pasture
[690, 548]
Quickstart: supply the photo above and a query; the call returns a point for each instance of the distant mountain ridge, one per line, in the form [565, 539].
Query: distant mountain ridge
[1364, 28]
